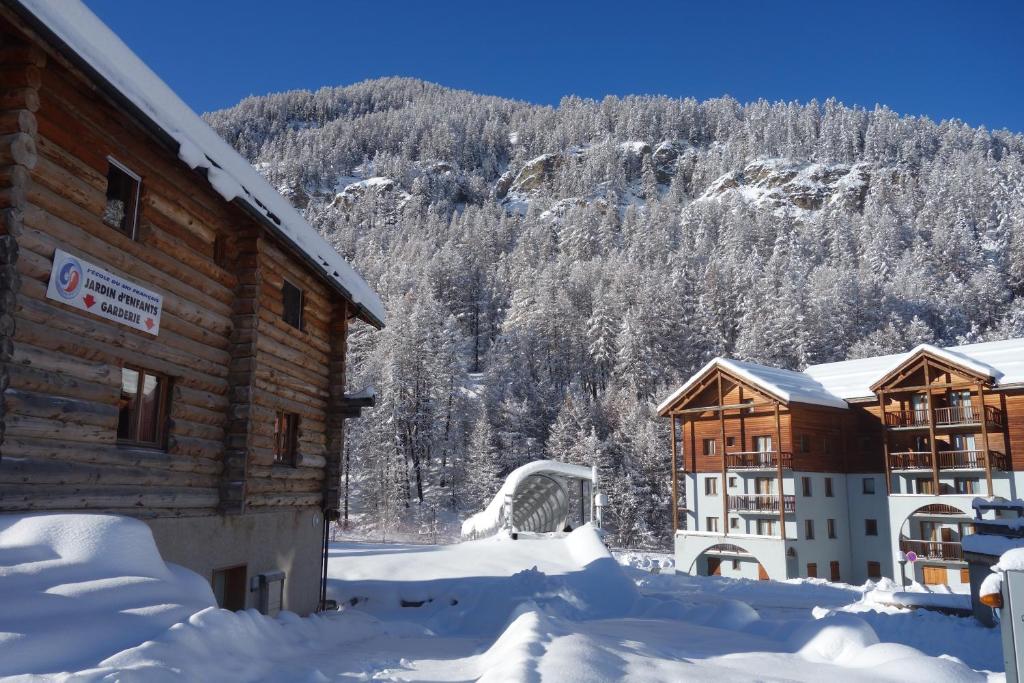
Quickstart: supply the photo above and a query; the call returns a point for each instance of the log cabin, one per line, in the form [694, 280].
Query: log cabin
[847, 471]
[172, 331]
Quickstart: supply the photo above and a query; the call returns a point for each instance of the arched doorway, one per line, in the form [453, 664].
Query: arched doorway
[932, 535]
[731, 561]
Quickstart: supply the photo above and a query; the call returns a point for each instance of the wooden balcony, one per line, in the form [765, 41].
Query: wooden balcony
[760, 502]
[933, 550]
[948, 460]
[947, 416]
[758, 460]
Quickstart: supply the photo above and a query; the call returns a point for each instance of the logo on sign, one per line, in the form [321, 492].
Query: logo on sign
[69, 278]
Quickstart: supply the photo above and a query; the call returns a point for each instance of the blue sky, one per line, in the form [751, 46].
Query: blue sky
[942, 58]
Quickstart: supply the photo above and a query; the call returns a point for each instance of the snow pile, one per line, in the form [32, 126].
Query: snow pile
[77, 588]
[199, 146]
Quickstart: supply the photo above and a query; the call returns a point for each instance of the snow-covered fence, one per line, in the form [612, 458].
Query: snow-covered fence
[539, 497]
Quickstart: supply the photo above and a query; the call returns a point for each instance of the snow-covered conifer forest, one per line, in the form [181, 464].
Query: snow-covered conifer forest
[550, 272]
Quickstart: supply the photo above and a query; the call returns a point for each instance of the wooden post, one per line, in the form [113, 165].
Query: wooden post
[984, 439]
[721, 492]
[675, 480]
[931, 431]
[885, 443]
[778, 465]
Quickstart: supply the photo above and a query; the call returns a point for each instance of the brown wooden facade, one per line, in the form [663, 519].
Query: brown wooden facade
[231, 363]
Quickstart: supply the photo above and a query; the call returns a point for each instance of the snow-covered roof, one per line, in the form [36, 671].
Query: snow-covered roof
[1003, 361]
[788, 386]
[200, 147]
[832, 384]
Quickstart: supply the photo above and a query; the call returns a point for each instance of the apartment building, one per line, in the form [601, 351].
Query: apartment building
[841, 470]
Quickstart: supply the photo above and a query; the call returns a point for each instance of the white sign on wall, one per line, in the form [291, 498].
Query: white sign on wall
[90, 288]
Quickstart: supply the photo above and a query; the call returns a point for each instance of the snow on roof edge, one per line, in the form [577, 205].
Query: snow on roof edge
[200, 147]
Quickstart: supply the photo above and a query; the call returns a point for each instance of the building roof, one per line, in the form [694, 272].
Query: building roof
[832, 384]
[1003, 361]
[788, 386]
[100, 51]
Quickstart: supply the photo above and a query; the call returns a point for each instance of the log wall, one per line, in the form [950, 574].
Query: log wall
[231, 359]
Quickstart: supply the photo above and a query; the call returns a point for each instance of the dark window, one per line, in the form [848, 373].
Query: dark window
[812, 570]
[292, 303]
[806, 483]
[735, 564]
[730, 441]
[709, 446]
[286, 431]
[874, 570]
[831, 527]
[712, 523]
[122, 209]
[809, 529]
[220, 251]
[805, 444]
[734, 523]
[868, 486]
[143, 407]
[732, 482]
[833, 570]
[871, 527]
[826, 445]
[229, 587]
[828, 487]
[710, 486]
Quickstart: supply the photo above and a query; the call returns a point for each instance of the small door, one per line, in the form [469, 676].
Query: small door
[964, 442]
[962, 400]
[919, 406]
[763, 444]
[714, 566]
[833, 570]
[764, 485]
[812, 570]
[762, 575]
[934, 576]
[229, 587]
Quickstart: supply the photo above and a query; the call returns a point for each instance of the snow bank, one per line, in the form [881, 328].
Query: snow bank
[77, 588]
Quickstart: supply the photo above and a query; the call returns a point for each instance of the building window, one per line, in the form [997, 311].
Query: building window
[868, 486]
[711, 486]
[833, 570]
[709, 447]
[730, 441]
[826, 445]
[830, 526]
[229, 587]
[712, 523]
[735, 564]
[805, 482]
[809, 529]
[220, 251]
[805, 443]
[765, 527]
[122, 208]
[965, 528]
[734, 522]
[291, 305]
[874, 570]
[286, 432]
[143, 408]
[829, 493]
[812, 570]
[965, 485]
[965, 575]
[871, 527]
[732, 482]
[922, 485]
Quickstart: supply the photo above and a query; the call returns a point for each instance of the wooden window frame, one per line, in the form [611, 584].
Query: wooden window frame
[806, 487]
[286, 454]
[830, 528]
[829, 490]
[965, 575]
[834, 571]
[301, 327]
[870, 524]
[709, 447]
[730, 441]
[136, 200]
[162, 410]
[809, 529]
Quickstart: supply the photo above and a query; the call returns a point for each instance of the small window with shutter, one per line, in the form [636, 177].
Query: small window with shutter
[291, 301]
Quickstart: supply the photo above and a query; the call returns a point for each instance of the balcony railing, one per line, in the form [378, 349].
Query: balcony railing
[948, 460]
[933, 550]
[758, 460]
[759, 502]
[947, 416]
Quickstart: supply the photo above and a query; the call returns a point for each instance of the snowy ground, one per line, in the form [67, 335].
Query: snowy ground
[559, 609]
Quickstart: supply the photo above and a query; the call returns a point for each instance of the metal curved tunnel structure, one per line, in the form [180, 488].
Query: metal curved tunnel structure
[543, 496]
